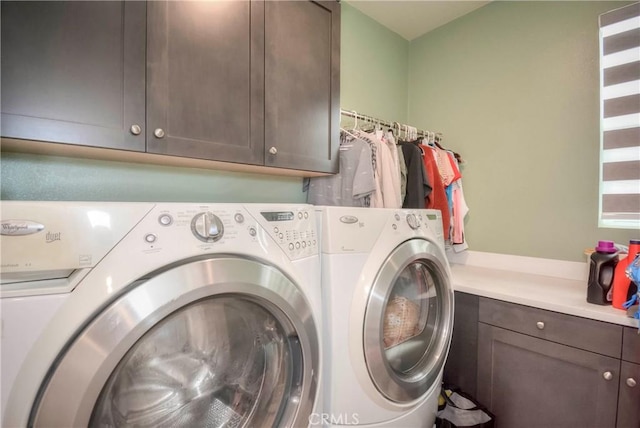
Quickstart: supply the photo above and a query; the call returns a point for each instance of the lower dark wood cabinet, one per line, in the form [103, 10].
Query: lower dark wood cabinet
[533, 370]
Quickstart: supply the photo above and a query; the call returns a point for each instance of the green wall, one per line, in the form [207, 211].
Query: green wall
[38, 177]
[374, 65]
[514, 88]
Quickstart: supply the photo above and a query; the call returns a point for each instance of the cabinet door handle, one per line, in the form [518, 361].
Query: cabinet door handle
[159, 133]
[607, 375]
[540, 325]
[631, 382]
[135, 129]
[273, 151]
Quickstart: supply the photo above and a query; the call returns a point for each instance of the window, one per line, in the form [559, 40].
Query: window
[620, 117]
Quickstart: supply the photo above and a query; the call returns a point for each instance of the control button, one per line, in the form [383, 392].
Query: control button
[395, 226]
[291, 246]
[239, 218]
[297, 245]
[281, 236]
[150, 238]
[300, 215]
[252, 231]
[304, 244]
[309, 243]
[397, 217]
[207, 227]
[165, 219]
[306, 214]
[276, 230]
[412, 221]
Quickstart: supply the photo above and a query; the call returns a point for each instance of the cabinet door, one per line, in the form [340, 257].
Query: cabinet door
[629, 398]
[205, 80]
[461, 368]
[302, 84]
[530, 382]
[631, 345]
[73, 72]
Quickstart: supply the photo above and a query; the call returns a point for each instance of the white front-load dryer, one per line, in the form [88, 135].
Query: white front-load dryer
[388, 315]
[118, 314]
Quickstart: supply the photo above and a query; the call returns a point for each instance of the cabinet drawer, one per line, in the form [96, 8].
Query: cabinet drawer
[631, 345]
[590, 335]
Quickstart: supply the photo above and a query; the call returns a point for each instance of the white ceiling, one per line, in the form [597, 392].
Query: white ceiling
[411, 19]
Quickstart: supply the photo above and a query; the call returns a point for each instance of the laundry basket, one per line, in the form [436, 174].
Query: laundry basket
[401, 321]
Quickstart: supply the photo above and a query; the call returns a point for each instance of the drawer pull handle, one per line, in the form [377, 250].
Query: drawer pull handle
[159, 133]
[135, 129]
[607, 375]
[631, 382]
[540, 325]
[273, 151]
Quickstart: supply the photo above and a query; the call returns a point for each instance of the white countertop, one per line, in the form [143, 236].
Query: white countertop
[541, 283]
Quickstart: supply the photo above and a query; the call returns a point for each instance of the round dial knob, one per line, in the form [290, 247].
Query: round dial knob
[413, 221]
[207, 227]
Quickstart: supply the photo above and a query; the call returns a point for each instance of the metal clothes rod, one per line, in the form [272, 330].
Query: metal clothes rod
[400, 127]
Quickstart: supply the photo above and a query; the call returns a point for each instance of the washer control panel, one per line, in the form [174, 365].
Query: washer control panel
[227, 227]
[293, 228]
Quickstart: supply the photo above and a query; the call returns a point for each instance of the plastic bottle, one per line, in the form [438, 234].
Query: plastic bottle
[601, 269]
[622, 289]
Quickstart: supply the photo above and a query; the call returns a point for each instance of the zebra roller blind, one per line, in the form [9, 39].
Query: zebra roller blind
[620, 117]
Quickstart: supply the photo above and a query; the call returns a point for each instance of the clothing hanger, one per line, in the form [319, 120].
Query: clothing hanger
[369, 121]
[348, 132]
[355, 120]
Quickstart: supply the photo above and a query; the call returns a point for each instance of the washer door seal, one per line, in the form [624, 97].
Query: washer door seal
[73, 386]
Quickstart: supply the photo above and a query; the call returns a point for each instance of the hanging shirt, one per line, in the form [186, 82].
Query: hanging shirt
[391, 191]
[353, 184]
[376, 198]
[418, 185]
[403, 172]
[444, 166]
[386, 172]
[460, 209]
[437, 198]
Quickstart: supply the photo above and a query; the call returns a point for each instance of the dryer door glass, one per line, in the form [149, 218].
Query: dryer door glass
[410, 318]
[223, 361]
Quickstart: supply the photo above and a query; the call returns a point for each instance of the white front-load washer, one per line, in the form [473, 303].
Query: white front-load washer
[388, 315]
[123, 314]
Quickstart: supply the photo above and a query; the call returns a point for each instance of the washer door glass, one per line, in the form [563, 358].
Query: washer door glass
[223, 361]
[408, 321]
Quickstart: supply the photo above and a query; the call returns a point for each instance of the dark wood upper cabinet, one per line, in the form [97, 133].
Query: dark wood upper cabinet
[74, 72]
[246, 82]
[302, 84]
[205, 80]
